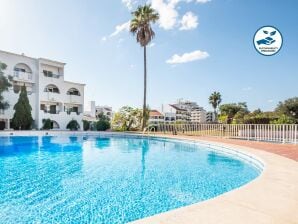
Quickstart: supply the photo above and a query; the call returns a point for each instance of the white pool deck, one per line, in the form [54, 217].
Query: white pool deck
[271, 198]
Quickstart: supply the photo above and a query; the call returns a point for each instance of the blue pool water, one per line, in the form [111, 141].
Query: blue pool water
[108, 179]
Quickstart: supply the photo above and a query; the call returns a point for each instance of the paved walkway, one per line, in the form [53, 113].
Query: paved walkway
[287, 150]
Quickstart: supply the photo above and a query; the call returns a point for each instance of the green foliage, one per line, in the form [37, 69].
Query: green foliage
[140, 24]
[4, 85]
[284, 119]
[289, 108]
[73, 125]
[47, 124]
[127, 119]
[22, 118]
[86, 125]
[231, 109]
[215, 100]
[103, 122]
[258, 117]
[223, 118]
[101, 116]
[103, 125]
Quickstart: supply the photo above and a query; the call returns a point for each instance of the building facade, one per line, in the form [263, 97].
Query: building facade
[155, 117]
[92, 112]
[105, 110]
[184, 112]
[210, 117]
[50, 96]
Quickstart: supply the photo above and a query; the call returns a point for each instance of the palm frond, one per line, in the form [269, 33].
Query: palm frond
[141, 24]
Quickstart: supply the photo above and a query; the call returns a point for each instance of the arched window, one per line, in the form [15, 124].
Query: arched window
[52, 89]
[73, 91]
[22, 71]
[21, 67]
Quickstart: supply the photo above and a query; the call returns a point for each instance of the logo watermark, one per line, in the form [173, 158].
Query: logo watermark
[268, 40]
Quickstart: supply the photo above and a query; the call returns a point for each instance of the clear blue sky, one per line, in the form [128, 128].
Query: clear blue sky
[83, 34]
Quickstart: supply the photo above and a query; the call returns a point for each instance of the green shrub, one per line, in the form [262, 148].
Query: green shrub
[47, 124]
[103, 125]
[86, 125]
[73, 125]
[22, 118]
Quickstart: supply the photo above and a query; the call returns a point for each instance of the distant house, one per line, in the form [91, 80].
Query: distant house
[155, 117]
[105, 110]
[92, 112]
[184, 112]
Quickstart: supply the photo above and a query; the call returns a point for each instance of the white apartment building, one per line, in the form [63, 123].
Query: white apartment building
[50, 96]
[105, 110]
[184, 111]
[92, 112]
[210, 117]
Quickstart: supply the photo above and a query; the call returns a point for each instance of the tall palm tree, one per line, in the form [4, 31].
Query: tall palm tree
[215, 100]
[140, 25]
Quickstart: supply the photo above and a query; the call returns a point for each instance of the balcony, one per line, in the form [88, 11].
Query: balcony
[21, 76]
[75, 99]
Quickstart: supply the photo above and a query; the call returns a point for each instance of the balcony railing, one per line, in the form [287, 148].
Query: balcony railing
[23, 76]
[51, 112]
[75, 112]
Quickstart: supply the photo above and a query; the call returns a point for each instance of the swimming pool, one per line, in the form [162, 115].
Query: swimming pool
[109, 179]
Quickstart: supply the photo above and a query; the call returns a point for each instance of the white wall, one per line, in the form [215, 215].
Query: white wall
[37, 84]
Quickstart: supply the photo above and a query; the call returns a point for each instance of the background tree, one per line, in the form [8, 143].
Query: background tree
[86, 125]
[103, 123]
[4, 85]
[215, 100]
[231, 109]
[127, 119]
[289, 108]
[140, 26]
[22, 118]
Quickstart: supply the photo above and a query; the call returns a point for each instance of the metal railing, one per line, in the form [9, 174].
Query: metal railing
[282, 133]
[23, 75]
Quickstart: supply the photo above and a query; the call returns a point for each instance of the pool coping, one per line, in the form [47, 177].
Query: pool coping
[270, 198]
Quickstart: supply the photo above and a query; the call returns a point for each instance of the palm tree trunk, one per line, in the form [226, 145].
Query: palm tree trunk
[215, 116]
[145, 89]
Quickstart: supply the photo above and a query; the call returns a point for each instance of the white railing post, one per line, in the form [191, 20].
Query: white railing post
[283, 133]
[295, 134]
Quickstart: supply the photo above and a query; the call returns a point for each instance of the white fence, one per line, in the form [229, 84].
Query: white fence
[284, 133]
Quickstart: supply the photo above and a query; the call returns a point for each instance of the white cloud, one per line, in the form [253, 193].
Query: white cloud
[270, 101]
[167, 13]
[187, 57]
[202, 1]
[152, 44]
[120, 28]
[189, 21]
[129, 3]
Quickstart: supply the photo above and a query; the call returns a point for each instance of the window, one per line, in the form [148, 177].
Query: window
[52, 89]
[20, 69]
[73, 92]
[50, 74]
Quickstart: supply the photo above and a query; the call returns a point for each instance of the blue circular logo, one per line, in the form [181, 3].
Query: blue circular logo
[268, 40]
